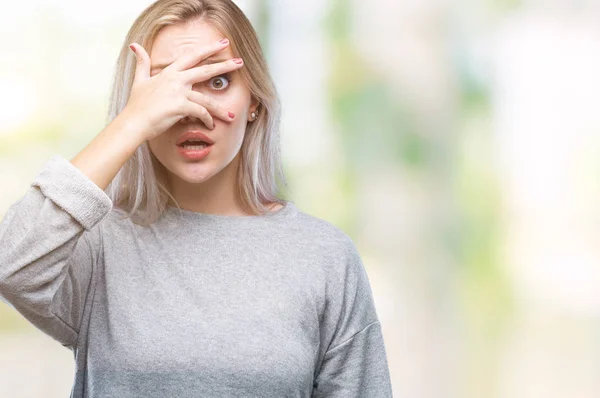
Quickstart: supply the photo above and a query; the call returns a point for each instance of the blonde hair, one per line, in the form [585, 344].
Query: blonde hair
[140, 187]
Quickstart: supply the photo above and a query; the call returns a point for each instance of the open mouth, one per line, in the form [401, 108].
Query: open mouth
[194, 150]
[195, 145]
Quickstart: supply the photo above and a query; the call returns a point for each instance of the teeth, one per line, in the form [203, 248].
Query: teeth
[195, 147]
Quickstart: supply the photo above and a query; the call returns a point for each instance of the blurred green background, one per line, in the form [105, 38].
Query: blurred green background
[455, 142]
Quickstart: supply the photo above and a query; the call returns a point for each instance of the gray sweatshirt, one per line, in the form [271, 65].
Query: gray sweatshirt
[196, 305]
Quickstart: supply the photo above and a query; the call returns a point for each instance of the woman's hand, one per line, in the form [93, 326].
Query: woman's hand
[158, 102]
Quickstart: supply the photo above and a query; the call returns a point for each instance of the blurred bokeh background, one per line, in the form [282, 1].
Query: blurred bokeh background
[457, 143]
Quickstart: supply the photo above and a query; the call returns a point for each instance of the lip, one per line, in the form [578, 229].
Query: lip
[194, 135]
[194, 154]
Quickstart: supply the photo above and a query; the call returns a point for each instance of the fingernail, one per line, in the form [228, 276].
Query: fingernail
[231, 115]
[224, 41]
[132, 47]
[238, 60]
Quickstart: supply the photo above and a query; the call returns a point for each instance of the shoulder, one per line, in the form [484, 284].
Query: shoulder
[339, 270]
[320, 227]
[324, 235]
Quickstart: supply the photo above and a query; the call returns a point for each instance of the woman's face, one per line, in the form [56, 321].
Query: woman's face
[232, 93]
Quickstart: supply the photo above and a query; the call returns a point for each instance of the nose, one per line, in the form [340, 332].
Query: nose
[192, 119]
[189, 119]
[199, 87]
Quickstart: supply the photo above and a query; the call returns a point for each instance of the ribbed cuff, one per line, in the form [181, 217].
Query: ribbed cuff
[73, 191]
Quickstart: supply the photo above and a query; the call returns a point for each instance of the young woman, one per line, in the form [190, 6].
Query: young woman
[162, 255]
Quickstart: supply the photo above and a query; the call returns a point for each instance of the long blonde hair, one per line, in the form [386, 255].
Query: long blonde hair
[140, 187]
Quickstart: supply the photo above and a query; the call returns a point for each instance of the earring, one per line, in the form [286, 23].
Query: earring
[254, 115]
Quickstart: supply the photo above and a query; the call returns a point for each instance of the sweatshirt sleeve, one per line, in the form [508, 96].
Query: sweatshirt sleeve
[49, 246]
[355, 363]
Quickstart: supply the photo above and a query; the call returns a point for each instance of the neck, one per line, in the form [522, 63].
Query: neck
[217, 195]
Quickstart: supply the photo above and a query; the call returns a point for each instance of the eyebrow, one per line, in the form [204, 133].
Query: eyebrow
[207, 61]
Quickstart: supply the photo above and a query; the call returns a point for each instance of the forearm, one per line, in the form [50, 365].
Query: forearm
[104, 156]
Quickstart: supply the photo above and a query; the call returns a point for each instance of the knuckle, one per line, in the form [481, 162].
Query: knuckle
[211, 69]
[181, 104]
[208, 70]
[173, 91]
[201, 53]
[170, 76]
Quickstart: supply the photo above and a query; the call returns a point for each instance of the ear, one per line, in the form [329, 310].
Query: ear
[254, 104]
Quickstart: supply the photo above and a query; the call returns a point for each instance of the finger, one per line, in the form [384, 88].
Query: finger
[197, 110]
[214, 108]
[205, 72]
[189, 60]
[142, 67]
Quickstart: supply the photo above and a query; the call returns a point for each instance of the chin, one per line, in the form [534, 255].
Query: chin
[194, 173]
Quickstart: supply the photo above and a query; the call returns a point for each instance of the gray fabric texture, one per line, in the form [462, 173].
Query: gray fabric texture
[196, 305]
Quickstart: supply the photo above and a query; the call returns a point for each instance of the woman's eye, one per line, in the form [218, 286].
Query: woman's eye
[219, 83]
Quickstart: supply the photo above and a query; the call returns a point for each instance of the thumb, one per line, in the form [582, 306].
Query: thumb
[142, 67]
